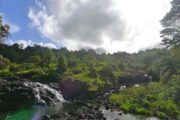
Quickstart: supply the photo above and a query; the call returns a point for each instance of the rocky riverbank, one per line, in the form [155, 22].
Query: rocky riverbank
[18, 94]
[87, 111]
[23, 94]
[15, 95]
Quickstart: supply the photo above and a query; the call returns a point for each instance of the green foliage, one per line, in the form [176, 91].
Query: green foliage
[48, 58]
[36, 60]
[109, 73]
[134, 108]
[6, 74]
[89, 67]
[171, 33]
[4, 31]
[62, 64]
[32, 74]
[21, 67]
[92, 71]
[72, 63]
[165, 76]
[4, 63]
[14, 68]
[154, 99]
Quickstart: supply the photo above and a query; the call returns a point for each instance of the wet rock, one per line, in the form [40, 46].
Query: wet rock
[46, 117]
[18, 94]
[86, 112]
[56, 116]
[107, 107]
[120, 113]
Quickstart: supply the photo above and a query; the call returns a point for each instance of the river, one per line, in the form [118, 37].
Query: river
[36, 112]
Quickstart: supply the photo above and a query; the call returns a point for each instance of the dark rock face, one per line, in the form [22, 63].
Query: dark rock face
[70, 87]
[23, 94]
[12, 96]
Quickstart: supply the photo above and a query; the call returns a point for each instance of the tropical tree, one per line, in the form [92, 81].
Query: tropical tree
[36, 60]
[48, 57]
[171, 24]
[4, 30]
[4, 62]
[62, 64]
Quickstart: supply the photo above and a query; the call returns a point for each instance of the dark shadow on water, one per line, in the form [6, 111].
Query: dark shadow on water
[35, 112]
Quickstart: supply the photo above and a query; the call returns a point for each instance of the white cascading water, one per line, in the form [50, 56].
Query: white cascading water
[42, 88]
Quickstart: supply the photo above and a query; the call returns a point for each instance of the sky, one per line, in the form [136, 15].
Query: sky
[103, 25]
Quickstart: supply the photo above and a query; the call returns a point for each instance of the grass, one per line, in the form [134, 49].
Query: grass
[93, 83]
[84, 77]
[154, 99]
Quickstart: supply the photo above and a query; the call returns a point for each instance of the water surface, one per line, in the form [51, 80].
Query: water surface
[36, 112]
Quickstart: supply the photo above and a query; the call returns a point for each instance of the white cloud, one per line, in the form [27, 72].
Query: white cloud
[111, 25]
[26, 43]
[49, 45]
[14, 28]
[45, 24]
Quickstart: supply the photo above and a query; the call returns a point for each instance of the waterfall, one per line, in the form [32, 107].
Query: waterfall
[44, 94]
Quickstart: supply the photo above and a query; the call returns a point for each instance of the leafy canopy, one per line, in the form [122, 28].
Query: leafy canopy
[171, 24]
[4, 30]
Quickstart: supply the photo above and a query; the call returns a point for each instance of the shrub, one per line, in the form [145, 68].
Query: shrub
[6, 74]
